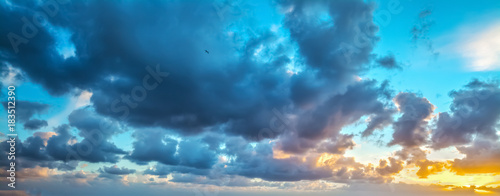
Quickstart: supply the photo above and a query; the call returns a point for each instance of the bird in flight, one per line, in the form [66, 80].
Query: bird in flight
[207, 52]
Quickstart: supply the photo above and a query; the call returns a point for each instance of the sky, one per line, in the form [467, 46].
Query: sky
[283, 97]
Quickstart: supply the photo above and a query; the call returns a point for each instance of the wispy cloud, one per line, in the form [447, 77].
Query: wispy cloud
[483, 49]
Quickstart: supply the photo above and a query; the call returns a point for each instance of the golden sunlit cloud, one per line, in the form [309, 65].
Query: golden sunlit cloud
[446, 177]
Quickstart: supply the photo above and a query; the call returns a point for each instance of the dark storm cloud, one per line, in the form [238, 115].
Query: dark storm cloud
[379, 121]
[388, 62]
[62, 151]
[236, 92]
[35, 124]
[411, 128]
[358, 100]
[194, 97]
[114, 170]
[31, 149]
[32, 153]
[156, 146]
[475, 110]
[334, 50]
[89, 149]
[91, 124]
[363, 98]
[27, 109]
[252, 161]
[196, 155]
[280, 170]
[258, 162]
[338, 146]
[230, 91]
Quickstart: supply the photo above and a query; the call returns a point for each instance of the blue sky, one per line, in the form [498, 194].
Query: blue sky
[292, 96]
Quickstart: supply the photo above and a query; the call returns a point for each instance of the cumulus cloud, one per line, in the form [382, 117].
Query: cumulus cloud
[393, 166]
[35, 124]
[475, 111]
[418, 157]
[91, 124]
[90, 149]
[25, 110]
[33, 153]
[114, 172]
[190, 99]
[61, 150]
[44, 135]
[258, 162]
[338, 146]
[410, 129]
[156, 146]
[364, 98]
[241, 158]
[235, 96]
[198, 117]
[427, 168]
[483, 156]
[348, 170]
[345, 53]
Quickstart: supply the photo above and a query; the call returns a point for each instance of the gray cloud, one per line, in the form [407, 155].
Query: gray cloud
[236, 94]
[156, 146]
[364, 98]
[114, 170]
[388, 62]
[228, 92]
[25, 110]
[475, 110]
[483, 156]
[35, 124]
[411, 128]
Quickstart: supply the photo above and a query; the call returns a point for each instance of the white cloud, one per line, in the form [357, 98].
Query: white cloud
[75, 102]
[83, 99]
[482, 49]
[10, 76]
